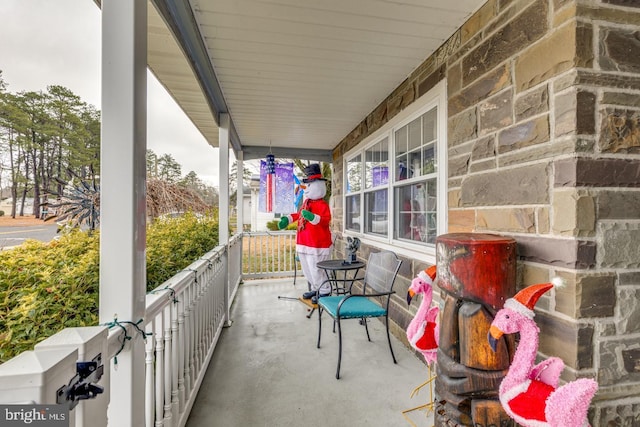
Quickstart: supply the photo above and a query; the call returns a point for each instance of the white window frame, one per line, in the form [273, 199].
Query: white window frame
[436, 97]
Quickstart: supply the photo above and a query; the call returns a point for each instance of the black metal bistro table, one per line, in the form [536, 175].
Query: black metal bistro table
[332, 269]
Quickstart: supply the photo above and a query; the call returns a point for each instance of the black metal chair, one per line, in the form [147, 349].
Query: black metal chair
[380, 275]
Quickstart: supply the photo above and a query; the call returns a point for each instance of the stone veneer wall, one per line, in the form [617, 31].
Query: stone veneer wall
[544, 146]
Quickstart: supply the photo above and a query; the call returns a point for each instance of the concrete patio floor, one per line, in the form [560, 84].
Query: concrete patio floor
[267, 371]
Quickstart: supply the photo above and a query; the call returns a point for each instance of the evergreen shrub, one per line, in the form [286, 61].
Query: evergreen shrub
[46, 287]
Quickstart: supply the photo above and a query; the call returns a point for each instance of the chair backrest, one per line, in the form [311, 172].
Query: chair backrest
[382, 269]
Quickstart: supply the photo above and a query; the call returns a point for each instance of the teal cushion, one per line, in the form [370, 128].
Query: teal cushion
[353, 307]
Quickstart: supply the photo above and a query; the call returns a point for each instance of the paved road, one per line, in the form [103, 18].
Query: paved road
[13, 236]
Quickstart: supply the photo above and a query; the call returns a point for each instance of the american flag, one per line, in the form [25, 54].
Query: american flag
[271, 172]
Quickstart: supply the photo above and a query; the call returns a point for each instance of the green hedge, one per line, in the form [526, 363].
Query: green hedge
[46, 287]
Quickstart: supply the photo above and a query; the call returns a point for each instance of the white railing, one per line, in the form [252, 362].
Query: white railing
[183, 321]
[269, 254]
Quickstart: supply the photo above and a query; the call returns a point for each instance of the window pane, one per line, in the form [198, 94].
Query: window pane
[354, 174]
[415, 136]
[352, 213]
[429, 164]
[375, 206]
[402, 165]
[415, 212]
[429, 125]
[377, 164]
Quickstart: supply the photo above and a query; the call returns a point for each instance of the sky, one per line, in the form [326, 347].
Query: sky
[57, 42]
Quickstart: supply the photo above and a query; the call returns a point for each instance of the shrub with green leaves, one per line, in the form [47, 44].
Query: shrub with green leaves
[46, 287]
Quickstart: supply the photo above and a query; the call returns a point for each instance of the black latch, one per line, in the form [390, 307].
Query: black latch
[82, 386]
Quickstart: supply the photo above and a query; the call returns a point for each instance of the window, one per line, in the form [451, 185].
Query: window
[353, 182]
[415, 190]
[395, 188]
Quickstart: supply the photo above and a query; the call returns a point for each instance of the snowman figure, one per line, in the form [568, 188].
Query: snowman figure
[313, 239]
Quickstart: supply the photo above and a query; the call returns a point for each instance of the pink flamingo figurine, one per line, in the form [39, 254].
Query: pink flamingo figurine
[423, 331]
[530, 394]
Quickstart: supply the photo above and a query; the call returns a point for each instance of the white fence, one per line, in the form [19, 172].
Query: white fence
[269, 254]
[184, 319]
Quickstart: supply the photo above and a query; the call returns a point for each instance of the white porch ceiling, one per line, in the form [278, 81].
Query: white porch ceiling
[297, 74]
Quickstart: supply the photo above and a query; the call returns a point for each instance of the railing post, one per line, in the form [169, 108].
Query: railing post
[34, 377]
[90, 342]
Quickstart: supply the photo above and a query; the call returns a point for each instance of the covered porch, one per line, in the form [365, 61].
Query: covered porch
[268, 371]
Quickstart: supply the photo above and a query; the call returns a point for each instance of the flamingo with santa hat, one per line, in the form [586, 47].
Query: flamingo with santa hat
[529, 393]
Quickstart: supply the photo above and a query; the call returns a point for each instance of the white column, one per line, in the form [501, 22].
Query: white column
[240, 192]
[223, 173]
[223, 205]
[123, 210]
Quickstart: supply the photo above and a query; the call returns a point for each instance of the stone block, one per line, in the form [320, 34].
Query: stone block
[585, 56]
[629, 308]
[571, 341]
[620, 204]
[564, 253]
[618, 244]
[479, 20]
[575, 113]
[482, 165]
[453, 199]
[619, 49]
[608, 80]
[534, 274]
[532, 103]
[526, 134]
[544, 224]
[620, 131]
[491, 83]
[495, 113]
[603, 172]
[507, 9]
[522, 31]
[547, 58]
[620, 98]
[462, 127]
[427, 83]
[483, 148]
[627, 278]
[464, 148]
[525, 185]
[459, 166]
[619, 361]
[586, 295]
[573, 213]
[461, 221]
[519, 220]
[454, 79]
[539, 152]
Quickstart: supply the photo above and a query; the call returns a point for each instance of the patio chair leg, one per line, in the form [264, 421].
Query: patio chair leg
[364, 322]
[386, 318]
[339, 349]
[319, 325]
